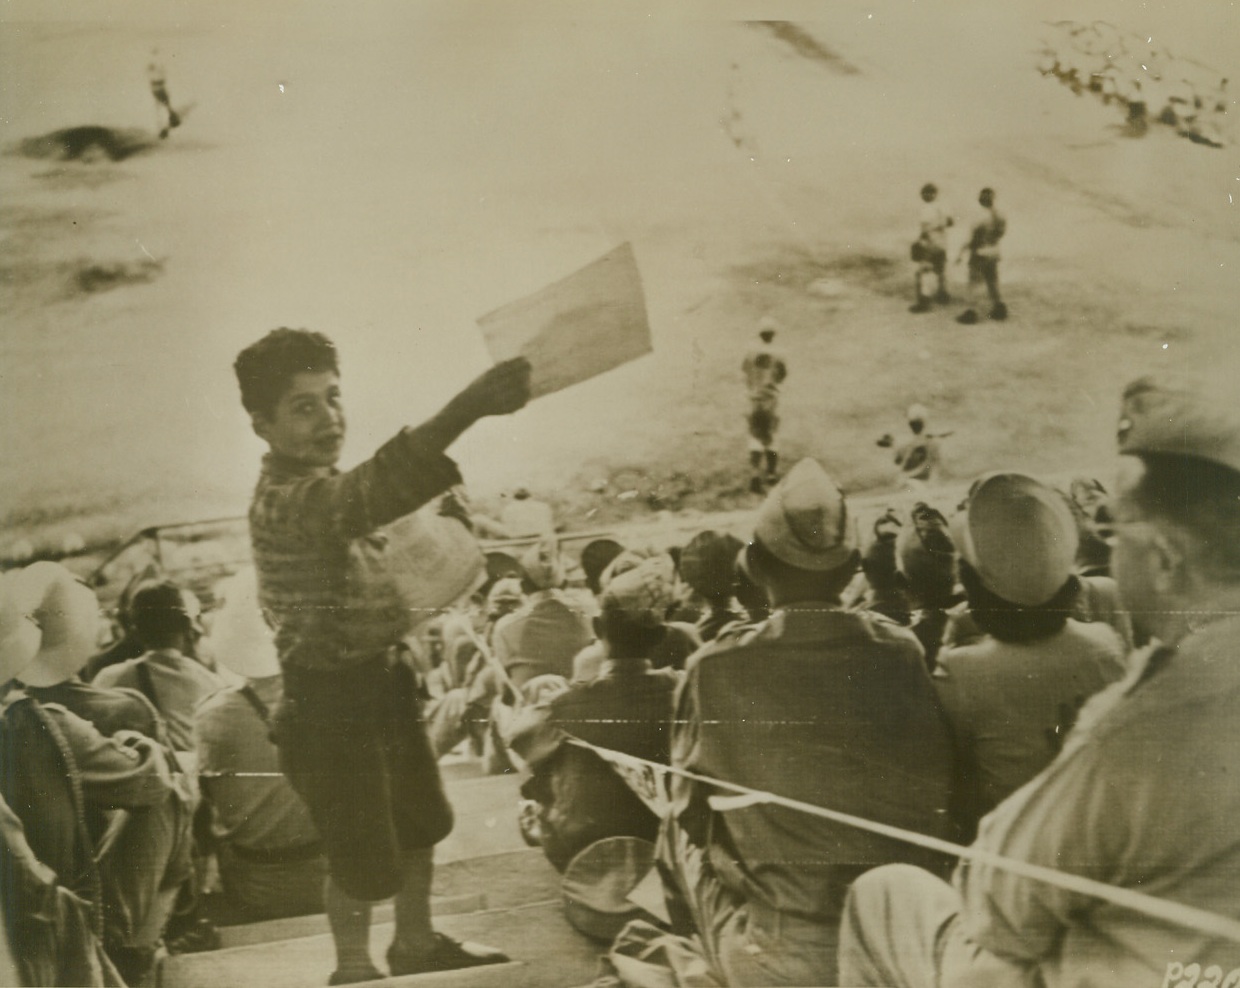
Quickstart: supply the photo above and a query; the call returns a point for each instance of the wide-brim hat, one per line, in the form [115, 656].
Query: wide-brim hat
[1182, 415]
[805, 522]
[19, 634]
[63, 614]
[597, 883]
[241, 640]
[1019, 535]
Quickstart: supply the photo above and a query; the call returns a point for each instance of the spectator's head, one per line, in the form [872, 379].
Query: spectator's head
[878, 561]
[124, 603]
[1017, 542]
[504, 597]
[544, 565]
[290, 385]
[595, 558]
[500, 565]
[805, 540]
[1177, 515]
[708, 565]
[165, 616]
[49, 624]
[241, 639]
[986, 197]
[633, 607]
[521, 494]
[926, 558]
[917, 417]
[929, 192]
[766, 329]
[1087, 499]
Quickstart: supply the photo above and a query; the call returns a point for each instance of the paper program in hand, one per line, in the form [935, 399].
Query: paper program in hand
[578, 327]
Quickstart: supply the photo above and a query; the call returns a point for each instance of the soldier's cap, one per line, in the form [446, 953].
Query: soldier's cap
[241, 639]
[49, 624]
[643, 594]
[630, 559]
[1181, 416]
[805, 522]
[1020, 537]
[598, 881]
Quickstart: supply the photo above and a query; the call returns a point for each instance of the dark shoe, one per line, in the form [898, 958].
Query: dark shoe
[999, 312]
[200, 936]
[448, 955]
[942, 297]
[353, 978]
[136, 965]
[968, 317]
[923, 305]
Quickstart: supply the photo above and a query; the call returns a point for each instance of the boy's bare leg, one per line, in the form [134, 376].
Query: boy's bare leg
[349, 919]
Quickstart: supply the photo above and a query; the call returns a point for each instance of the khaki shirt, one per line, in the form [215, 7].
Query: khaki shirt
[829, 707]
[1145, 795]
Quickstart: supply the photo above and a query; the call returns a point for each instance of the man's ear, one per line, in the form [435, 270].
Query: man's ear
[1168, 561]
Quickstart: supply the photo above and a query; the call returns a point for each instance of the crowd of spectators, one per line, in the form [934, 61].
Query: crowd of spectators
[1147, 81]
[969, 672]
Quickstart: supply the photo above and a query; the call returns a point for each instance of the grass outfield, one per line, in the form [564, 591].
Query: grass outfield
[755, 167]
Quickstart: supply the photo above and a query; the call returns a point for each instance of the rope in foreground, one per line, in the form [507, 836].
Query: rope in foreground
[1187, 917]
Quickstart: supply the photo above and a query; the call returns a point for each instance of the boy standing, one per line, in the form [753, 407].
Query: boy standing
[351, 740]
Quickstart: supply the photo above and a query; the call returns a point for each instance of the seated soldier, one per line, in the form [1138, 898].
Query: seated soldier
[627, 708]
[1012, 695]
[1143, 796]
[679, 640]
[271, 860]
[165, 619]
[818, 704]
[463, 686]
[544, 635]
[926, 564]
[125, 847]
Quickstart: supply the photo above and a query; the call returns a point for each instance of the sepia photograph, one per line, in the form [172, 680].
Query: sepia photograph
[620, 494]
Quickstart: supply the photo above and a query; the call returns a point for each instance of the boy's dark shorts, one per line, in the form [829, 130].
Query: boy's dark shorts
[353, 746]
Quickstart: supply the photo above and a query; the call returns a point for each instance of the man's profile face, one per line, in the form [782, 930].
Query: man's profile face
[307, 423]
[1131, 548]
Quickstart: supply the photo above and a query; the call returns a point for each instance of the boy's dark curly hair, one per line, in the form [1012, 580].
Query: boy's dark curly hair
[264, 369]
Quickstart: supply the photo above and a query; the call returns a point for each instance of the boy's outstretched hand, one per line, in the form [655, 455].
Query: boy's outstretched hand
[499, 390]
